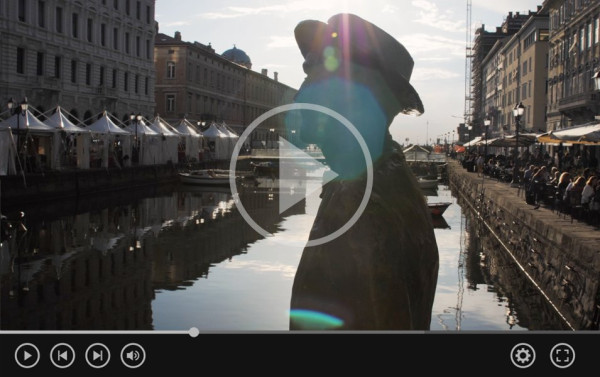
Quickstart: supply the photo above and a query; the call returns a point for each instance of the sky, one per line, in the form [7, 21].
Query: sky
[433, 31]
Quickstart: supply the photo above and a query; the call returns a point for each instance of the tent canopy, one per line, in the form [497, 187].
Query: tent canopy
[59, 121]
[588, 133]
[105, 125]
[160, 126]
[141, 128]
[26, 121]
[185, 127]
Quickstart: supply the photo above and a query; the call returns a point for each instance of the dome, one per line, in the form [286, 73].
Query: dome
[238, 56]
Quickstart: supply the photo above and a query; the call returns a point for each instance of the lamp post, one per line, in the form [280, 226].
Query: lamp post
[136, 145]
[518, 112]
[486, 123]
[18, 110]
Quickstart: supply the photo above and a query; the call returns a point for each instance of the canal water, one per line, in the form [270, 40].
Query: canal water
[176, 257]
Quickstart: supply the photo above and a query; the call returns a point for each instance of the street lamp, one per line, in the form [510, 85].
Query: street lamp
[136, 146]
[18, 110]
[518, 112]
[486, 123]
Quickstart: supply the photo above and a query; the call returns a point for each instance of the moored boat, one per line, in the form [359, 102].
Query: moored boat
[204, 177]
[438, 209]
[427, 183]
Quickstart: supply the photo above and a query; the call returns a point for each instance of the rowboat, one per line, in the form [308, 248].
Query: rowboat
[438, 209]
[427, 183]
[204, 177]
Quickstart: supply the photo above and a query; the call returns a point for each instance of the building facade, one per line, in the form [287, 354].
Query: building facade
[574, 59]
[483, 43]
[196, 83]
[85, 56]
[524, 76]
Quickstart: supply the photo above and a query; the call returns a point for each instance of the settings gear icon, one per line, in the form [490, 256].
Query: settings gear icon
[522, 355]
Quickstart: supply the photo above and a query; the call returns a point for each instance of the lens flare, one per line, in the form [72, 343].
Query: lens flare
[311, 320]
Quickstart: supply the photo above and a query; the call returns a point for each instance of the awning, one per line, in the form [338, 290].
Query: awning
[473, 142]
[588, 133]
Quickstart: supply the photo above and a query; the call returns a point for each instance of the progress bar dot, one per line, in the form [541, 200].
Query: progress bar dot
[194, 332]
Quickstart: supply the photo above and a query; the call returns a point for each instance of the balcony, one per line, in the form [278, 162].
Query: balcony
[106, 92]
[580, 106]
[45, 83]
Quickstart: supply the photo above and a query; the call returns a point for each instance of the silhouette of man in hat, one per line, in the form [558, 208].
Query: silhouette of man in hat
[381, 274]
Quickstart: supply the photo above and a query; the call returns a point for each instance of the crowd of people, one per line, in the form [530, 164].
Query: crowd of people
[567, 182]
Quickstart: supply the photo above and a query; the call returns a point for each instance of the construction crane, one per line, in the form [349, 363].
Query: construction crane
[468, 58]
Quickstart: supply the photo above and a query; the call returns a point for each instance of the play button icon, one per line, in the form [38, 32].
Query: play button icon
[27, 355]
[97, 355]
[293, 186]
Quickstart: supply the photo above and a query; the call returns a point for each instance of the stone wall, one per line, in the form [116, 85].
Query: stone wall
[559, 255]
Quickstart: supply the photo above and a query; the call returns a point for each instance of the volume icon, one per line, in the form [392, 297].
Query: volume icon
[133, 355]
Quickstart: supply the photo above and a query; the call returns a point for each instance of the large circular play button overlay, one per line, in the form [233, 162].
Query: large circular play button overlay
[288, 152]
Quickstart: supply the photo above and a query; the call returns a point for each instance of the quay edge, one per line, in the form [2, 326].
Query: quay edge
[560, 256]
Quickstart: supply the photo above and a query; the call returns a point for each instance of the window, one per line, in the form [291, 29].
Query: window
[127, 7]
[42, 14]
[597, 30]
[170, 103]
[524, 67]
[75, 25]
[59, 20]
[138, 10]
[40, 64]
[126, 81]
[57, 66]
[90, 30]
[101, 77]
[116, 4]
[148, 50]
[529, 90]
[114, 78]
[116, 38]
[136, 84]
[146, 85]
[20, 60]
[148, 14]
[103, 34]
[127, 43]
[74, 71]
[22, 10]
[170, 70]
[590, 36]
[137, 46]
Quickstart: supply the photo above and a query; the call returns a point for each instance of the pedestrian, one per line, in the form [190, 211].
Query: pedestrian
[382, 274]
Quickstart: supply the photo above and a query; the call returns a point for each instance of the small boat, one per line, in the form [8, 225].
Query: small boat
[438, 209]
[427, 183]
[207, 177]
[267, 168]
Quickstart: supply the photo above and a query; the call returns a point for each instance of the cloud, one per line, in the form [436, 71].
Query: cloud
[176, 23]
[430, 15]
[426, 46]
[389, 8]
[277, 41]
[428, 74]
[293, 7]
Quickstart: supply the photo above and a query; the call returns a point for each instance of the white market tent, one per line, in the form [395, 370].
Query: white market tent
[149, 142]
[8, 152]
[37, 136]
[218, 142]
[192, 139]
[170, 139]
[73, 142]
[109, 139]
[233, 137]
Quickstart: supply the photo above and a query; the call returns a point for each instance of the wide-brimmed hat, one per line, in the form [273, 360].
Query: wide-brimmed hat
[353, 39]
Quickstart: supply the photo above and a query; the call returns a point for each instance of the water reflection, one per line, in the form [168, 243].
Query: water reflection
[175, 257]
[97, 263]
